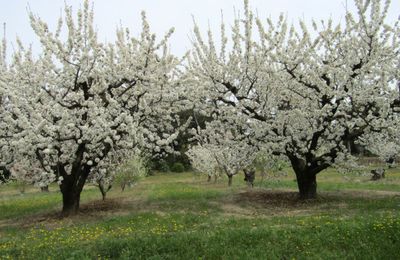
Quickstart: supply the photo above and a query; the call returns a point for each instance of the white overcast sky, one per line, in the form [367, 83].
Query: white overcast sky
[164, 14]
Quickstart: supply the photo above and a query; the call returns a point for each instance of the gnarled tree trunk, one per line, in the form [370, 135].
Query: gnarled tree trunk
[71, 199]
[71, 188]
[306, 175]
[307, 183]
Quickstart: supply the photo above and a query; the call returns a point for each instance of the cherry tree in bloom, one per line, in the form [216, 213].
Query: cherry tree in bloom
[233, 157]
[203, 161]
[3, 85]
[303, 93]
[5, 76]
[385, 145]
[229, 149]
[83, 102]
[337, 85]
[3, 71]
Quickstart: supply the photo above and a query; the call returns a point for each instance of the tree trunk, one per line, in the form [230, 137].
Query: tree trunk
[307, 184]
[4, 174]
[230, 180]
[22, 187]
[103, 191]
[215, 178]
[44, 189]
[71, 198]
[249, 176]
[306, 174]
[71, 188]
[209, 178]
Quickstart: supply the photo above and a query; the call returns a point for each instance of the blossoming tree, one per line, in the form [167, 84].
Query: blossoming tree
[226, 146]
[5, 153]
[303, 93]
[203, 161]
[82, 101]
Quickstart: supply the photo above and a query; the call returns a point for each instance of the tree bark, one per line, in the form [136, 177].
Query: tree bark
[307, 183]
[209, 178]
[306, 175]
[249, 176]
[71, 188]
[71, 199]
[44, 189]
[230, 180]
[4, 174]
[103, 192]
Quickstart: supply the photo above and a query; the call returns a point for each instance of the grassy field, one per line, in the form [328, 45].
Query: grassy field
[181, 216]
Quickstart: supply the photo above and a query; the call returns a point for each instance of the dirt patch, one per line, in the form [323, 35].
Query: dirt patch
[277, 201]
[279, 198]
[264, 203]
[261, 202]
[87, 212]
[96, 206]
[271, 198]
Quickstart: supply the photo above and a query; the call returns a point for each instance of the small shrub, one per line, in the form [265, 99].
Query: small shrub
[178, 167]
[164, 167]
[130, 172]
[160, 165]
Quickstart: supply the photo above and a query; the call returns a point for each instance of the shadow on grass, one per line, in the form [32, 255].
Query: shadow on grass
[270, 202]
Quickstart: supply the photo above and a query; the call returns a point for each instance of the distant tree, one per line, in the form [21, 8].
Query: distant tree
[269, 165]
[131, 171]
[103, 179]
[229, 147]
[203, 160]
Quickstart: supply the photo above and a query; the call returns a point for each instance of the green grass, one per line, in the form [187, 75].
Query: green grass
[179, 216]
[16, 205]
[330, 180]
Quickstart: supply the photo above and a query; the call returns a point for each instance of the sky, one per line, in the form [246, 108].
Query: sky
[164, 14]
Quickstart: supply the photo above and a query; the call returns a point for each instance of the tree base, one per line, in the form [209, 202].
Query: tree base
[230, 180]
[308, 196]
[307, 184]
